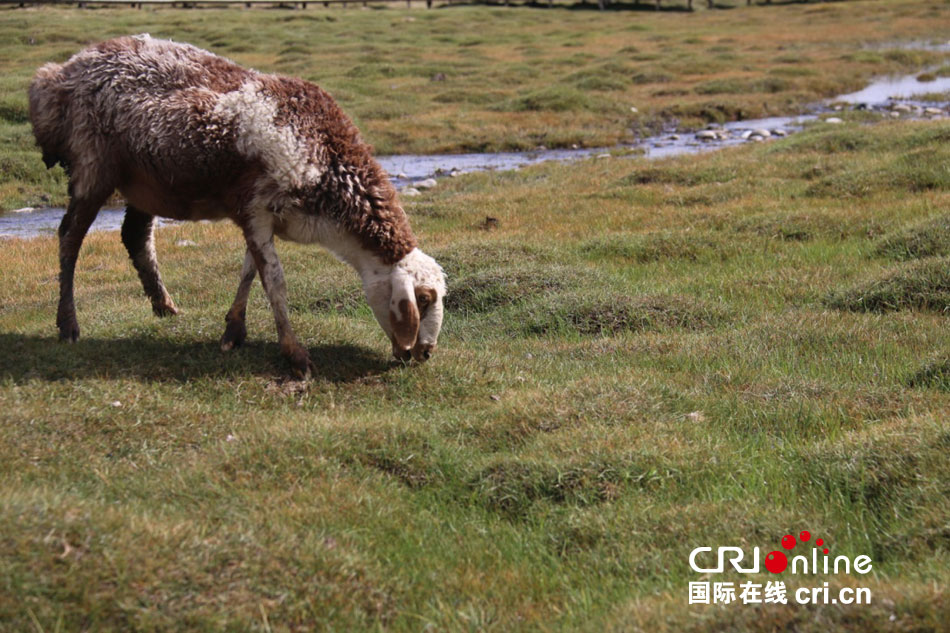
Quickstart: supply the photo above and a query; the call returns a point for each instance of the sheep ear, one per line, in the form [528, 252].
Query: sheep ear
[403, 312]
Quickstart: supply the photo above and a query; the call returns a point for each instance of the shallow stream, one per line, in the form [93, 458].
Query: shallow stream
[889, 95]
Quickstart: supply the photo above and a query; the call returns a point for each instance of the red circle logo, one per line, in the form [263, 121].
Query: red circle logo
[776, 562]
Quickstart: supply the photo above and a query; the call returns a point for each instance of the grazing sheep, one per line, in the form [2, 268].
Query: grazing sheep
[185, 134]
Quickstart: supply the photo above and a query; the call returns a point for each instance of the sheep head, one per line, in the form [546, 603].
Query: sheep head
[408, 305]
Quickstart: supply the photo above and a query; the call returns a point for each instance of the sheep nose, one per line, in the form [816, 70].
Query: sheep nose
[422, 353]
[402, 354]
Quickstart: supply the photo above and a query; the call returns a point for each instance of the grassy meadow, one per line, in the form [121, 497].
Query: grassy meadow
[460, 79]
[639, 358]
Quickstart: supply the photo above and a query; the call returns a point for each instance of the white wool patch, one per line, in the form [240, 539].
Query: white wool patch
[297, 225]
[424, 271]
[289, 159]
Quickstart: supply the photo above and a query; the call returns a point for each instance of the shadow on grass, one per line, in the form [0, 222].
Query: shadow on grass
[24, 357]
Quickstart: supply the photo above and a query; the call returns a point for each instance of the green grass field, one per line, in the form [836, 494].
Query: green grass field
[641, 358]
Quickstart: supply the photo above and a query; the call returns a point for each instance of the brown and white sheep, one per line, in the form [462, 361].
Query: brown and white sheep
[185, 134]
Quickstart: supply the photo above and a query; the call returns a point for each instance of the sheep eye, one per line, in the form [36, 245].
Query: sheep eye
[423, 301]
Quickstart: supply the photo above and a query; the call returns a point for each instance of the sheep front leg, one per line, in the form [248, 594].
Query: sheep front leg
[260, 243]
[137, 235]
[72, 230]
[236, 331]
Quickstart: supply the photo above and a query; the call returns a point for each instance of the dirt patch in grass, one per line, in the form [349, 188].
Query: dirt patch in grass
[918, 285]
[930, 238]
[286, 387]
[617, 314]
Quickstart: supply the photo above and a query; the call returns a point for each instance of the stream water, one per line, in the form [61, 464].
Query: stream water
[406, 170]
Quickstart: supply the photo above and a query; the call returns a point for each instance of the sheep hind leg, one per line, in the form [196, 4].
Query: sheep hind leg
[137, 235]
[260, 243]
[236, 331]
[80, 214]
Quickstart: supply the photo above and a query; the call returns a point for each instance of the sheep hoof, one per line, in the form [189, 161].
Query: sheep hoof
[301, 364]
[69, 333]
[164, 309]
[234, 335]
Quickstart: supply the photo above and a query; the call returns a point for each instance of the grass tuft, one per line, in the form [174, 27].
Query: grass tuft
[651, 76]
[489, 290]
[742, 86]
[935, 374]
[406, 456]
[511, 488]
[791, 227]
[600, 316]
[930, 238]
[549, 99]
[917, 285]
[655, 247]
